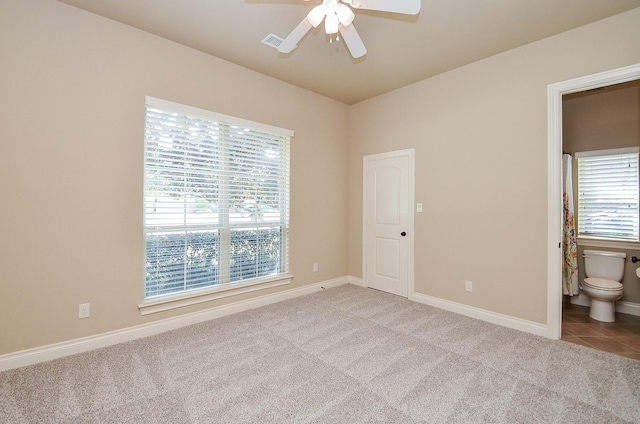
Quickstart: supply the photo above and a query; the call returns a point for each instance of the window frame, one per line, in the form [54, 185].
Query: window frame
[603, 240]
[161, 302]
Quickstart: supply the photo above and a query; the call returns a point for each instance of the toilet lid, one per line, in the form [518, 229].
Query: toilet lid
[602, 284]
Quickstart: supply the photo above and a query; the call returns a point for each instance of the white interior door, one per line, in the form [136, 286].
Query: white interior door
[388, 221]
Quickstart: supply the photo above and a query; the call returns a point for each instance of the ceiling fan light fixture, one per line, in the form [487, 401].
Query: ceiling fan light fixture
[316, 15]
[345, 14]
[331, 24]
[338, 18]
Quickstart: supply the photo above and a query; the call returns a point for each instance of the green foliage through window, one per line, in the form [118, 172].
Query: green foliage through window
[216, 201]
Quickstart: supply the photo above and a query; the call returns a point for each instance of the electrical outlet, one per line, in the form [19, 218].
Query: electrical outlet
[315, 267]
[468, 286]
[84, 310]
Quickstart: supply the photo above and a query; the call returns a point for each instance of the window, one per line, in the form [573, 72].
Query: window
[216, 201]
[608, 194]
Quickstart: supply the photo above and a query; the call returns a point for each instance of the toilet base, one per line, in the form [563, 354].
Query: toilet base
[602, 310]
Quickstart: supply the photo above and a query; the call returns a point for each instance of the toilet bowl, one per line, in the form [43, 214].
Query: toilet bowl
[604, 271]
[603, 294]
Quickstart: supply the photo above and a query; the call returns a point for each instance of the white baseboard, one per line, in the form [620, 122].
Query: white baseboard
[482, 314]
[356, 281]
[624, 307]
[630, 308]
[72, 347]
[581, 300]
[57, 350]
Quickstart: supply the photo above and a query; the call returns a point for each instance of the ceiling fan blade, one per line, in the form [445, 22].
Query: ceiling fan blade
[353, 41]
[291, 42]
[407, 7]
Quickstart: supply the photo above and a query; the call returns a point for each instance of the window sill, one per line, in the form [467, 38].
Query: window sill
[173, 301]
[610, 244]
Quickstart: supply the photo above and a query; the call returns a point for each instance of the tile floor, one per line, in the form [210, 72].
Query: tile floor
[621, 337]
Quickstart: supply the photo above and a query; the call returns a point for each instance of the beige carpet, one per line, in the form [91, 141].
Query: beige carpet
[344, 355]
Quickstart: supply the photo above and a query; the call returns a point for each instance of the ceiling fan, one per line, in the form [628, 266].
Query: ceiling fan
[338, 18]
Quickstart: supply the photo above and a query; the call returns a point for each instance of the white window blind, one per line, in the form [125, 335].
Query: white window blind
[608, 194]
[216, 199]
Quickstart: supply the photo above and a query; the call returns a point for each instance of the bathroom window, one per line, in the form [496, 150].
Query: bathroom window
[608, 194]
[216, 202]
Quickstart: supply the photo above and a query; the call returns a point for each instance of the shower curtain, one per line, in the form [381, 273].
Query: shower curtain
[569, 245]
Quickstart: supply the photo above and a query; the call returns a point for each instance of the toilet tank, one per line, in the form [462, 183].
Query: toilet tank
[604, 264]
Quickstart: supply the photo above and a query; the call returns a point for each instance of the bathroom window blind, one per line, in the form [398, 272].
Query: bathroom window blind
[216, 200]
[608, 194]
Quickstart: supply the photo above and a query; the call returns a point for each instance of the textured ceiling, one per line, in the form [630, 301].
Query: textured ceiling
[401, 49]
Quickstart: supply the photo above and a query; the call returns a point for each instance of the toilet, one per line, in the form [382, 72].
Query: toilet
[604, 271]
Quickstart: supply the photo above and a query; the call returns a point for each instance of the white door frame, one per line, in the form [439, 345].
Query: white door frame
[410, 153]
[554, 152]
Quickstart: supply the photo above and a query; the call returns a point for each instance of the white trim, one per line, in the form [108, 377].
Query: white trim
[72, 347]
[554, 218]
[606, 152]
[190, 110]
[411, 155]
[554, 186]
[165, 303]
[581, 299]
[629, 308]
[608, 244]
[482, 314]
[356, 281]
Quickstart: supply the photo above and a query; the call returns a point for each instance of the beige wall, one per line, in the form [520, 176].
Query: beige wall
[606, 118]
[72, 89]
[480, 134]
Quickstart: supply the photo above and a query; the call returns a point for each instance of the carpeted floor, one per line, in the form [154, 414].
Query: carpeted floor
[344, 355]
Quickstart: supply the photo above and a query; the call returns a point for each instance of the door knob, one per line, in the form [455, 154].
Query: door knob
[403, 234]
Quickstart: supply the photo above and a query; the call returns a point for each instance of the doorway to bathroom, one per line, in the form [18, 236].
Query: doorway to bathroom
[573, 89]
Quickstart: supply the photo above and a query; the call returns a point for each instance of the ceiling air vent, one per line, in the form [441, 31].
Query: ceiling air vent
[273, 41]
